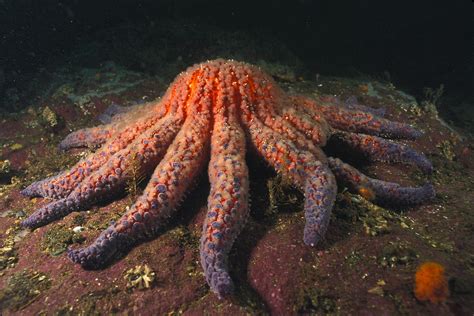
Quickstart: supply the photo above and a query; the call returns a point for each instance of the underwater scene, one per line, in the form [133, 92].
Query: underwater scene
[263, 157]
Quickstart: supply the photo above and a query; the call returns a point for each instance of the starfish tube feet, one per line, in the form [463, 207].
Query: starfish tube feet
[384, 192]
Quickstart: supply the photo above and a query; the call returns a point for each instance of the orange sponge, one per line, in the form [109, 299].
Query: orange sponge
[430, 283]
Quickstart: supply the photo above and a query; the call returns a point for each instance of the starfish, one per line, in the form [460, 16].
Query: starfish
[210, 115]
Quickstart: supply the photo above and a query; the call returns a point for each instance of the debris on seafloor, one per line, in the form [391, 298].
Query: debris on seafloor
[141, 277]
[4, 167]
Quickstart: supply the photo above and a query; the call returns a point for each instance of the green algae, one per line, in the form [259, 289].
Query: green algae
[6, 189]
[447, 149]
[16, 146]
[282, 195]
[39, 166]
[397, 253]
[93, 303]
[184, 237]
[23, 288]
[58, 238]
[312, 301]
[376, 220]
[79, 219]
[353, 258]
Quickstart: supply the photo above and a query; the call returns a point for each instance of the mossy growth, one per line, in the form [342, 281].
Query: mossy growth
[353, 258]
[39, 166]
[184, 237]
[56, 240]
[23, 288]
[375, 219]
[313, 301]
[447, 149]
[93, 303]
[6, 189]
[79, 219]
[397, 253]
[283, 196]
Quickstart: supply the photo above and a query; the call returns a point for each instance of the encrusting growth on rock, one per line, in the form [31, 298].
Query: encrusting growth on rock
[430, 283]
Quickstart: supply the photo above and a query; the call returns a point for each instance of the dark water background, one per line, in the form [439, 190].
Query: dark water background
[414, 44]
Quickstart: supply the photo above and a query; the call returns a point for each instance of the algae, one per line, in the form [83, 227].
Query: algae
[397, 253]
[23, 288]
[57, 239]
[313, 301]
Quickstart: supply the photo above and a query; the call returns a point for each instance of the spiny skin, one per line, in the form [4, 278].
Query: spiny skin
[209, 116]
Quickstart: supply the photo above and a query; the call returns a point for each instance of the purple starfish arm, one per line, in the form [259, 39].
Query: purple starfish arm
[170, 180]
[88, 137]
[320, 195]
[145, 152]
[388, 193]
[358, 121]
[173, 176]
[227, 203]
[378, 149]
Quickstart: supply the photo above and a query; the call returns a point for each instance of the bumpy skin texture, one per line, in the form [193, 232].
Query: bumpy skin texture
[210, 115]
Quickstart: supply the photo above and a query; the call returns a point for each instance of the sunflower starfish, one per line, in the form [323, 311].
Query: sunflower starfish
[208, 116]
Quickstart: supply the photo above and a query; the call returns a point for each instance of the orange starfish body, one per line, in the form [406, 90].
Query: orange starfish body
[208, 117]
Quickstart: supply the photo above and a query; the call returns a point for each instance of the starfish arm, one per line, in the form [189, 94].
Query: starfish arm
[280, 153]
[281, 126]
[314, 128]
[384, 192]
[350, 103]
[359, 121]
[378, 149]
[144, 154]
[172, 177]
[311, 175]
[112, 120]
[320, 194]
[87, 137]
[61, 185]
[227, 203]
